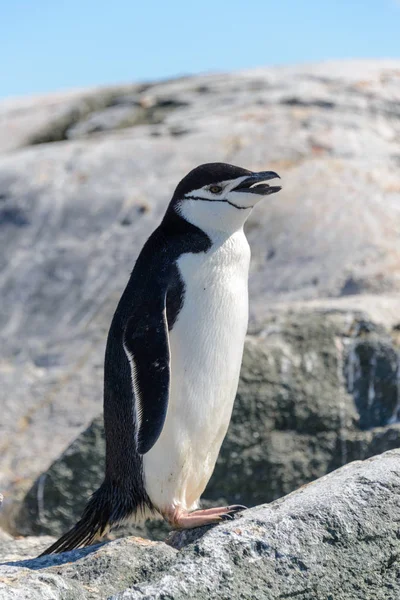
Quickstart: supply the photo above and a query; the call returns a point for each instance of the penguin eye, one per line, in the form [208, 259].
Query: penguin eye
[215, 189]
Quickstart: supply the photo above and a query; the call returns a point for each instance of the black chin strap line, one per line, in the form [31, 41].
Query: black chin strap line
[217, 200]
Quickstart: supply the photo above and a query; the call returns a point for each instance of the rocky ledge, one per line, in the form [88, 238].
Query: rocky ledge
[338, 537]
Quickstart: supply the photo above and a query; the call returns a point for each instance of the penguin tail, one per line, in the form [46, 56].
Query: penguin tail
[101, 513]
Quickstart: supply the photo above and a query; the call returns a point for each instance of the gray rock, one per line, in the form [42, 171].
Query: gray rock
[40, 119]
[23, 548]
[74, 214]
[317, 390]
[21, 118]
[305, 406]
[98, 573]
[110, 118]
[335, 538]
[124, 112]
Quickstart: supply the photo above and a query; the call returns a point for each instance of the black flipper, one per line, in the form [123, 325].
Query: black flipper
[146, 345]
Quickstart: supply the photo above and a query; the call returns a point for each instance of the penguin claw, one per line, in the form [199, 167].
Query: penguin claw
[227, 517]
[231, 511]
[236, 508]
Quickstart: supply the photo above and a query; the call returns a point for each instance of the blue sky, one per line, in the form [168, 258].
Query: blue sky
[50, 45]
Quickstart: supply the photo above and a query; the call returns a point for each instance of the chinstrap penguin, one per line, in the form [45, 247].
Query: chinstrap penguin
[173, 357]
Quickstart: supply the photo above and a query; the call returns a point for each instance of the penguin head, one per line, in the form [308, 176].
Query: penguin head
[218, 196]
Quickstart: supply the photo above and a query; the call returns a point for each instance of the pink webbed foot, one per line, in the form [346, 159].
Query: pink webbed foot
[180, 519]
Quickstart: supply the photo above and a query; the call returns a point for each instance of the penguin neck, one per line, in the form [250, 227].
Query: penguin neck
[217, 220]
[188, 235]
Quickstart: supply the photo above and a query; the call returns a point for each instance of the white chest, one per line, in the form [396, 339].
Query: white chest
[207, 339]
[206, 345]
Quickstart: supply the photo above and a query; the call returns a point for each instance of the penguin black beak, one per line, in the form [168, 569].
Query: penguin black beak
[255, 184]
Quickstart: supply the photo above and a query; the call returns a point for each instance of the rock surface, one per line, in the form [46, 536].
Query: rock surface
[85, 177]
[335, 538]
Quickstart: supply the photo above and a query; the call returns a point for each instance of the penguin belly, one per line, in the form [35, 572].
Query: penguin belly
[206, 346]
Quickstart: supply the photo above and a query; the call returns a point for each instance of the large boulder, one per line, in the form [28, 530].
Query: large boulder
[335, 538]
[317, 390]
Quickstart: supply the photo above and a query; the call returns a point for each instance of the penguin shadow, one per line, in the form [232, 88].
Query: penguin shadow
[54, 560]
